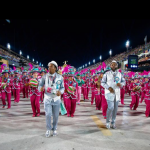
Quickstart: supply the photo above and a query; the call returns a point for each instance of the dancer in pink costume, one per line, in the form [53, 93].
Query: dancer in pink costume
[80, 83]
[11, 76]
[87, 86]
[147, 96]
[135, 93]
[98, 98]
[35, 93]
[25, 80]
[93, 89]
[16, 87]
[70, 89]
[144, 89]
[6, 88]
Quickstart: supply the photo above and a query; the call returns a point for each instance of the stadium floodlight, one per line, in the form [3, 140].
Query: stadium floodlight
[94, 61]
[20, 52]
[8, 46]
[100, 57]
[127, 44]
[110, 52]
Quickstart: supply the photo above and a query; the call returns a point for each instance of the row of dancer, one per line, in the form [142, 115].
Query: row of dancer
[14, 83]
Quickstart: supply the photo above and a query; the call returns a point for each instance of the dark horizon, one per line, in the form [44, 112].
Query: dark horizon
[78, 41]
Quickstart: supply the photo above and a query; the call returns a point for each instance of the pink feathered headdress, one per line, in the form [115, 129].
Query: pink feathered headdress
[31, 66]
[66, 69]
[39, 68]
[92, 71]
[14, 68]
[145, 72]
[99, 68]
[103, 65]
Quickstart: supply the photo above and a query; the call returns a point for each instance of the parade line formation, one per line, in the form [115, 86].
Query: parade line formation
[67, 85]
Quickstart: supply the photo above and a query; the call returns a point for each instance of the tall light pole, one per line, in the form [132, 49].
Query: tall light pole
[89, 63]
[110, 52]
[94, 61]
[100, 57]
[8, 46]
[27, 56]
[33, 59]
[20, 52]
[127, 44]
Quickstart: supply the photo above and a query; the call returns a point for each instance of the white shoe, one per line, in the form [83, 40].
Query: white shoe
[48, 133]
[108, 125]
[113, 126]
[55, 133]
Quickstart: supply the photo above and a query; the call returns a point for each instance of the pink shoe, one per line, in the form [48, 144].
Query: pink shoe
[68, 115]
[8, 107]
[72, 115]
[38, 115]
[96, 108]
[104, 117]
[33, 115]
[3, 107]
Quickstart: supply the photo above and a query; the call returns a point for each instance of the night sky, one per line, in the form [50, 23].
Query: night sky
[78, 41]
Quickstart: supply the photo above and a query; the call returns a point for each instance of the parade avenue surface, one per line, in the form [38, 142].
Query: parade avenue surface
[86, 131]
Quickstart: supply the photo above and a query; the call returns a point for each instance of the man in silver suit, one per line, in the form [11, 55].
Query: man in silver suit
[112, 81]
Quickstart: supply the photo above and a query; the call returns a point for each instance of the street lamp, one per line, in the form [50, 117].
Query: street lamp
[27, 56]
[42, 65]
[100, 57]
[83, 66]
[37, 62]
[20, 52]
[110, 52]
[8, 46]
[127, 44]
[33, 59]
[89, 63]
[94, 61]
